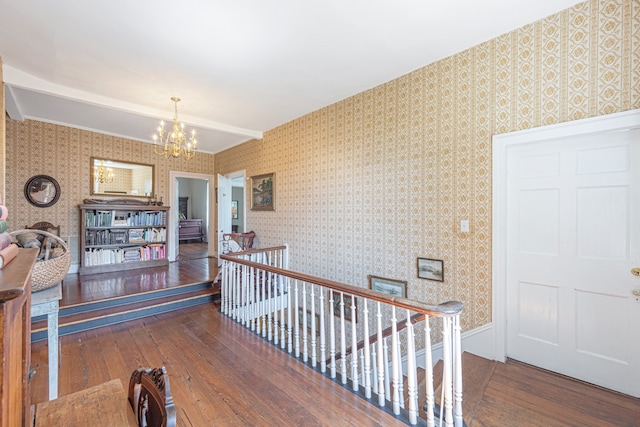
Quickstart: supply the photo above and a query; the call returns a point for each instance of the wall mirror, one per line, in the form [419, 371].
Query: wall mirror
[122, 179]
[42, 191]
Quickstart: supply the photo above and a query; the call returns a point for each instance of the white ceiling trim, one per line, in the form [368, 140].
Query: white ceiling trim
[16, 78]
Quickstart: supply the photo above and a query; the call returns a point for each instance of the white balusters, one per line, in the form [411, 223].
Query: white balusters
[354, 346]
[457, 374]
[411, 373]
[447, 383]
[381, 361]
[279, 307]
[366, 372]
[332, 332]
[395, 362]
[282, 299]
[400, 375]
[323, 344]
[305, 350]
[289, 331]
[429, 374]
[343, 342]
[314, 352]
[296, 319]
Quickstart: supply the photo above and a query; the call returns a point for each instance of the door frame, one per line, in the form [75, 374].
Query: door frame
[172, 244]
[501, 144]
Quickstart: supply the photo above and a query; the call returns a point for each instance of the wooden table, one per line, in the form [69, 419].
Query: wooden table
[102, 405]
[46, 302]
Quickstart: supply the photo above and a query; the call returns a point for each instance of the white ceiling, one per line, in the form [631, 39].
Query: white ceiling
[241, 67]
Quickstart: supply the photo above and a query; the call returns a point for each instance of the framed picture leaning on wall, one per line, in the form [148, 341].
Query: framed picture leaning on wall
[396, 288]
[348, 302]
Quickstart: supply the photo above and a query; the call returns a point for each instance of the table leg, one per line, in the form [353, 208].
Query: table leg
[52, 342]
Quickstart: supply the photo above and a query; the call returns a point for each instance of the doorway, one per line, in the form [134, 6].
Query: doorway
[199, 205]
[566, 236]
[231, 204]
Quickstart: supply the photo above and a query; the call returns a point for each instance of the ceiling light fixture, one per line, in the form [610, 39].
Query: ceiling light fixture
[175, 143]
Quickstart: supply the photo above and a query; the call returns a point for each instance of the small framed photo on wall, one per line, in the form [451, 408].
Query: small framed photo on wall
[431, 269]
[234, 209]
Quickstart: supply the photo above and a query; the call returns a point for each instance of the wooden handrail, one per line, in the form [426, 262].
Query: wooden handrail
[445, 309]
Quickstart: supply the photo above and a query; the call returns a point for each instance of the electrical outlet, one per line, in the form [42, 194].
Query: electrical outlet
[464, 226]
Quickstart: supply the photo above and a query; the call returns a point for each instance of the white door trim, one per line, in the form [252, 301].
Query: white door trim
[241, 174]
[501, 144]
[173, 203]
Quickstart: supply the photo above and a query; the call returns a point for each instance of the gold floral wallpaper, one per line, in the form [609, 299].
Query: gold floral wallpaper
[35, 148]
[2, 133]
[367, 185]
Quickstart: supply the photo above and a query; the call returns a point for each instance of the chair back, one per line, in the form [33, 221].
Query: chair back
[150, 397]
[244, 240]
[45, 226]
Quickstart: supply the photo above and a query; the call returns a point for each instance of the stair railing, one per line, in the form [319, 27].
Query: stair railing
[313, 319]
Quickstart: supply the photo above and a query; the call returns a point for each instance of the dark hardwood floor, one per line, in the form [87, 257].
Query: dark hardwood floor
[221, 374]
[193, 267]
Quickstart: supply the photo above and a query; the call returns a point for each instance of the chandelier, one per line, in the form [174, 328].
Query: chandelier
[103, 174]
[175, 142]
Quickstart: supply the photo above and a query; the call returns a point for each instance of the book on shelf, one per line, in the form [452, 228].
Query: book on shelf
[136, 235]
[96, 256]
[121, 218]
[98, 218]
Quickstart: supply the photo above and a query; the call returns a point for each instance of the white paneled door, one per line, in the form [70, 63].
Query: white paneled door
[572, 238]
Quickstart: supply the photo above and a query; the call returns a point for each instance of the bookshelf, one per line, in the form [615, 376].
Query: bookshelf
[122, 237]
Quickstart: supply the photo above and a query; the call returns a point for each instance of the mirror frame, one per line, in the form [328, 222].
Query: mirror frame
[38, 180]
[92, 175]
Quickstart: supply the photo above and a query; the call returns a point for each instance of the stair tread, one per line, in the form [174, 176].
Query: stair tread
[123, 308]
[476, 373]
[150, 294]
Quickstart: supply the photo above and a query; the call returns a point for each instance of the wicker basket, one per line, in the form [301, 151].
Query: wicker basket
[46, 274]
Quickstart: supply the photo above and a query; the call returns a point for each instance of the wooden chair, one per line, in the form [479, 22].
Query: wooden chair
[150, 397]
[244, 240]
[45, 226]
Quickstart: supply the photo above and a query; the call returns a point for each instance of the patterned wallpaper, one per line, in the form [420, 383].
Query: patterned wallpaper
[367, 185]
[2, 134]
[65, 153]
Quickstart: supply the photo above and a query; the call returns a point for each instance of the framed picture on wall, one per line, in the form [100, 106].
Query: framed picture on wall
[431, 269]
[263, 192]
[396, 288]
[234, 209]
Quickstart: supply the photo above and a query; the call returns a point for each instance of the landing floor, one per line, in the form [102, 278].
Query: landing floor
[193, 267]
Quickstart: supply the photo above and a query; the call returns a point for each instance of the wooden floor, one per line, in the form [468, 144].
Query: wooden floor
[193, 267]
[221, 374]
